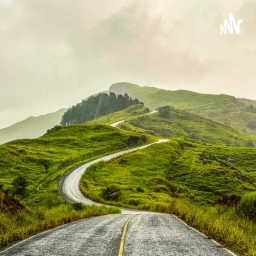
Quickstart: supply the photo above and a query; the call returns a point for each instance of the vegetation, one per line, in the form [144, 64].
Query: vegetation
[206, 185]
[135, 110]
[19, 185]
[62, 148]
[222, 108]
[25, 223]
[96, 106]
[8, 203]
[171, 122]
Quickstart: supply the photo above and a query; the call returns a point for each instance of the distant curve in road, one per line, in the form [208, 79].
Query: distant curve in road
[69, 185]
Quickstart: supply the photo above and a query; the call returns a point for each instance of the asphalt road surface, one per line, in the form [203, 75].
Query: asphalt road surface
[147, 234]
[119, 122]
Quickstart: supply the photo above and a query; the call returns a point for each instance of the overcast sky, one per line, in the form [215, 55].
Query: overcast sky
[54, 53]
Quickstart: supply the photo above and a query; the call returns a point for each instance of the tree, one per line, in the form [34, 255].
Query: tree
[19, 185]
[165, 112]
[249, 143]
[252, 125]
[96, 106]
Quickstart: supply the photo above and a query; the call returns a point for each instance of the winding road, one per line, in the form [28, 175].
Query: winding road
[69, 186]
[133, 233]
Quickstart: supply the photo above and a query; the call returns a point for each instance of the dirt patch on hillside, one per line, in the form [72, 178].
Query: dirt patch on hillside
[8, 203]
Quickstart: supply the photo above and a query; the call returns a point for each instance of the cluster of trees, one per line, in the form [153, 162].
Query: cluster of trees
[96, 106]
[165, 112]
[252, 125]
[251, 109]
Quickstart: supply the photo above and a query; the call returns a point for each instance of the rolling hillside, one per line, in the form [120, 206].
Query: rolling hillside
[237, 113]
[171, 122]
[135, 110]
[42, 162]
[32, 127]
[207, 186]
[205, 174]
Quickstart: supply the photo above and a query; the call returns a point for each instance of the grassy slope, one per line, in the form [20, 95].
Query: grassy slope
[127, 113]
[184, 124]
[222, 108]
[196, 182]
[32, 127]
[62, 149]
[203, 173]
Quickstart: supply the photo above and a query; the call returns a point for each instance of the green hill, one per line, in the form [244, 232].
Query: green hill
[135, 110]
[32, 127]
[212, 188]
[42, 162]
[237, 113]
[171, 122]
[180, 168]
[96, 106]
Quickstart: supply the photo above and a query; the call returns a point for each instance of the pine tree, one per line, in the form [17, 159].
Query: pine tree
[96, 106]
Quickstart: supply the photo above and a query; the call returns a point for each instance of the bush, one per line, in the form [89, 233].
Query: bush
[249, 143]
[19, 185]
[164, 112]
[111, 193]
[78, 206]
[139, 189]
[247, 206]
[252, 125]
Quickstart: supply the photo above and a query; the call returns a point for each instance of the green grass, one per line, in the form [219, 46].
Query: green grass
[21, 225]
[221, 108]
[218, 222]
[184, 124]
[62, 148]
[135, 110]
[192, 180]
[206, 174]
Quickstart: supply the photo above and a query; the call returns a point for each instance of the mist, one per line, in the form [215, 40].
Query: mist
[54, 53]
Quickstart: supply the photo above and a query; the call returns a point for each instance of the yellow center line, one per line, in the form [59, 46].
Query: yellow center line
[121, 248]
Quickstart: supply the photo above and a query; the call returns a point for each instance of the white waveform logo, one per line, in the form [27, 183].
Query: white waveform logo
[231, 25]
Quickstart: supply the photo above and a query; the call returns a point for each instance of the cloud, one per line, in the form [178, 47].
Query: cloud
[56, 52]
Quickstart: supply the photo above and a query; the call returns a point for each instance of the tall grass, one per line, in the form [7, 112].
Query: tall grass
[26, 223]
[201, 184]
[247, 206]
[221, 223]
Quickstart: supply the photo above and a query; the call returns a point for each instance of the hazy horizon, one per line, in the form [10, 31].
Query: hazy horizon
[56, 53]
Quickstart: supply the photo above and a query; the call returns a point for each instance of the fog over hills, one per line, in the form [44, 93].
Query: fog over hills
[56, 51]
[32, 127]
[237, 113]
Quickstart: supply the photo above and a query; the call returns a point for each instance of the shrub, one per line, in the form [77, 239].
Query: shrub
[164, 112]
[249, 143]
[78, 206]
[139, 189]
[111, 193]
[19, 185]
[252, 125]
[247, 206]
